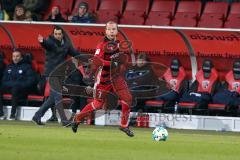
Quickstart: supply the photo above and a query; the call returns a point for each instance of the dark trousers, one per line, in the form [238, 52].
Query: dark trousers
[79, 103]
[230, 98]
[227, 97]
[19, 95]
[169, 96]
[54, 99]
[202, 99]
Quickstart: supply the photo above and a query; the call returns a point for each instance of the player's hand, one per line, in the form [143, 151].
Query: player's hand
[40, 38]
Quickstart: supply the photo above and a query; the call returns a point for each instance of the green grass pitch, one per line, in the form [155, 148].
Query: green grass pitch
[26, 141]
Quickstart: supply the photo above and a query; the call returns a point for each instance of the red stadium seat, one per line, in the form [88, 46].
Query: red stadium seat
[211, 21]
[41, 67]
[188, 13]
[235, 8]
[7, 96]
[135, 12]
[213, 106]
[132, 18]
[47, 89]
[233, 20]
[31, 59]
[31, 97]
[187, 105]
[185, 20]
[154, 103]
[35, 66]
[161, 13]
[216, 8]
[109, 10]
[189, 7]
[92, 6]
[214, 15]
[35, 98]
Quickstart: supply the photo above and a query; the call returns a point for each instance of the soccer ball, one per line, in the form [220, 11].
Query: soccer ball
[160, 134]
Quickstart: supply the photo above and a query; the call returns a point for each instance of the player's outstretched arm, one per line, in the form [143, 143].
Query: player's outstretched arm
[47, 44]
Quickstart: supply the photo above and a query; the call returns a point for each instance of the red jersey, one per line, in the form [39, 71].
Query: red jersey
[104, 51]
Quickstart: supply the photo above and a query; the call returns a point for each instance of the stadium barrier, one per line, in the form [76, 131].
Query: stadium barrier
[190, 45]
[216, 123]
[178, 121]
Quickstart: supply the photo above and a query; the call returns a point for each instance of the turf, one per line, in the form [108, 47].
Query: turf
[25, 141]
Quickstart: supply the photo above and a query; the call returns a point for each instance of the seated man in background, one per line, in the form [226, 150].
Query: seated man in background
[18, 79]
[83, 16]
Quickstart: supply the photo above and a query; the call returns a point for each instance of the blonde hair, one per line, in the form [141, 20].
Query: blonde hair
[111, 22]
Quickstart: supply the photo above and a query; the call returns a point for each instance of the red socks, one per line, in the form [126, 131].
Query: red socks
[125, 114]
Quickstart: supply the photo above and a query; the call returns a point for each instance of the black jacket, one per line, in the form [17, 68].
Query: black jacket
[74, 77]
[19, 75]
[58, 18]
[86, 18]
[56, 53]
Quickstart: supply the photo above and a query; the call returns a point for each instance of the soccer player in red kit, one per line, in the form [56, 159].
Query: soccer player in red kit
[106, 81]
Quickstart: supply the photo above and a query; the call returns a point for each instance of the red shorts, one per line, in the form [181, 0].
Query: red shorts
[119, 87]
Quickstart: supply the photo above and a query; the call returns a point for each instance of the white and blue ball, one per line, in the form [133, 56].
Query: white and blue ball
[160, 134]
